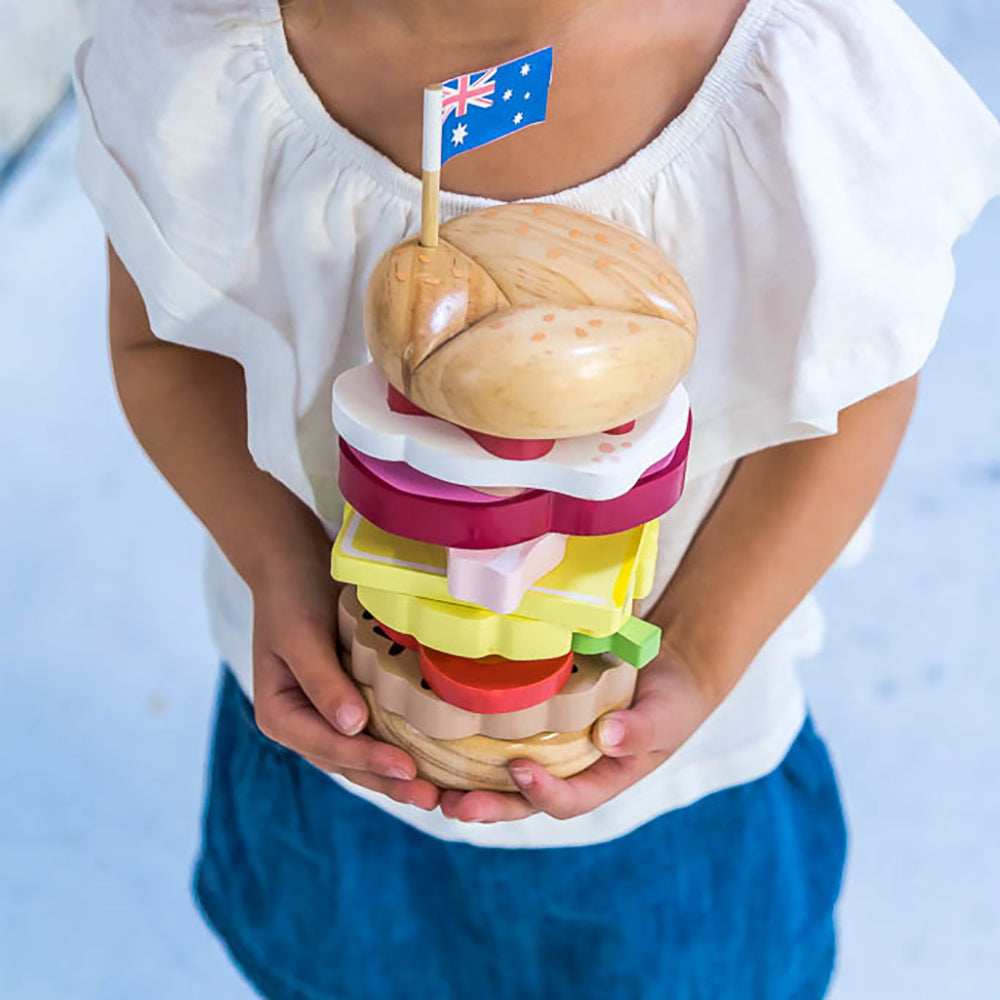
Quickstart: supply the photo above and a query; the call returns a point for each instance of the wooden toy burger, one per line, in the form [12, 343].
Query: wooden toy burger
[505, 458]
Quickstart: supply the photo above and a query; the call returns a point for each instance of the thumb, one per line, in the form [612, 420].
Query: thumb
[648, 726]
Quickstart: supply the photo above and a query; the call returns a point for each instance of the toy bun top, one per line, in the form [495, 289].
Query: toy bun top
[531, 321]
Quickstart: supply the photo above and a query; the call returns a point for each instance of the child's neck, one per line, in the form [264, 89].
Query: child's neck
[476, 22]
[623, 69]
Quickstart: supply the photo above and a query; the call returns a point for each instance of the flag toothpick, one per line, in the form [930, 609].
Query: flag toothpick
[431, 167]
[487, 105]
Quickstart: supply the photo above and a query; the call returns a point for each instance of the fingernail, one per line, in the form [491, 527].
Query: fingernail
[399, 773]
[612, 732]
[350, 719]
[522, 776]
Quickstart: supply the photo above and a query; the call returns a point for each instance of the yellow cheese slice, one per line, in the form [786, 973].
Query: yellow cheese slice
[466, 631]
[590, 591]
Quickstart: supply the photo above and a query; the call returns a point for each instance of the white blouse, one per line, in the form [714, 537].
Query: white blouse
[810, 195]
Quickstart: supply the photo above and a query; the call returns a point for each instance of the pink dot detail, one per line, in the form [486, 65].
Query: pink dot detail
[606, 448]
[597, 459]
[626, 444]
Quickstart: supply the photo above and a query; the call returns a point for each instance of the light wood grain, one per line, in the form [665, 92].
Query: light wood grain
[479, 762]
[534, 322]
[420, 297]
[429, 202]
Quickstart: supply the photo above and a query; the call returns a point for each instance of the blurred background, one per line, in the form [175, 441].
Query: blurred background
[108, 672]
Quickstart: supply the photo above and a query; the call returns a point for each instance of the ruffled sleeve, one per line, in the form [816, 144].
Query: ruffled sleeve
[815, 216]
[239, 238]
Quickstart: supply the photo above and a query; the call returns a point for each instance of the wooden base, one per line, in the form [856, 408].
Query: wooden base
[480, 762]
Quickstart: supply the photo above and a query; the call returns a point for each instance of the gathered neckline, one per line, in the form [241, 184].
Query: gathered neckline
[598, 194]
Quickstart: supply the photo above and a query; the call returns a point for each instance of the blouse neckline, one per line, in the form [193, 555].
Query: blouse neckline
[595, 195]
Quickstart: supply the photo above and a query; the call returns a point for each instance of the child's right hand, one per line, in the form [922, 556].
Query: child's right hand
[304, 700]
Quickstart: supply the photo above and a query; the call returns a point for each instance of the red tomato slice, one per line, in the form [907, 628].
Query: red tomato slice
[490, 685]
[512, 448]
[493, 684]
[403, 638]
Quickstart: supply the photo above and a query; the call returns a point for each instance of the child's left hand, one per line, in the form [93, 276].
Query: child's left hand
[670, 704]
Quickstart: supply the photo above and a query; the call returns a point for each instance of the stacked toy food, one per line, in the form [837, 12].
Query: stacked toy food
[505, 459]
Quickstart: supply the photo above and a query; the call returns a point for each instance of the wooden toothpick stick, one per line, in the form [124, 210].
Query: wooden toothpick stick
[431, 167]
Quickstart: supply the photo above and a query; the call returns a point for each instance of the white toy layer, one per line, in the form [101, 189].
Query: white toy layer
[595, 467]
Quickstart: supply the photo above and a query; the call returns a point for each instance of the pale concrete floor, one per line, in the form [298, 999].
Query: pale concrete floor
[108, 671]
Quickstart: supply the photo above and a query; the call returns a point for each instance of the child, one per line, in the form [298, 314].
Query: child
[807, 164]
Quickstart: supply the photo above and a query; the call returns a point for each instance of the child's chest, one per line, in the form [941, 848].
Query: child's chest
[621, 73]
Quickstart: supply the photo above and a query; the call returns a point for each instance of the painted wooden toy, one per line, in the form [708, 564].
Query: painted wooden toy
[403, 501]
[591, 589]
[507, 457]
[594, 466]
[531, 321]
[392, 680]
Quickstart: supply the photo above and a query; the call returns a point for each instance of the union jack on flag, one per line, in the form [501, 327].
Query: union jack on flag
[487, 105]
[463, 91]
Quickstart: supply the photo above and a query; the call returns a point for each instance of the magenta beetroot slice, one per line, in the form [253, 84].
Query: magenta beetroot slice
[459, 518]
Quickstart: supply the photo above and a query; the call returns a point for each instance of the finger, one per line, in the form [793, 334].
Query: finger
[649, 726]
[419, 793]
[307, 733]
[310, 653]
[285, 714]
[484, 807]
[566, 798]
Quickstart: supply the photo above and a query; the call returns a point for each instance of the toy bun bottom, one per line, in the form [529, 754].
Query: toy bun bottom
[479, 762]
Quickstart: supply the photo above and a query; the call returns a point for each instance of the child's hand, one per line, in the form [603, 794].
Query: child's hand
[670, 704]
[305, 701]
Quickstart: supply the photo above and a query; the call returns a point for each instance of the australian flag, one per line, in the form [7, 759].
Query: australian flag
[481, 107]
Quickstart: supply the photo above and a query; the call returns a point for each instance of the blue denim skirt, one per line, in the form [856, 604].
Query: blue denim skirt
[318, 894]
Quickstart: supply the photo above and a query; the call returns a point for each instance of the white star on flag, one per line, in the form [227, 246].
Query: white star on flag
[518, 118]
[525, 69]
[527, 95]
[458, 135]
[508, 94]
